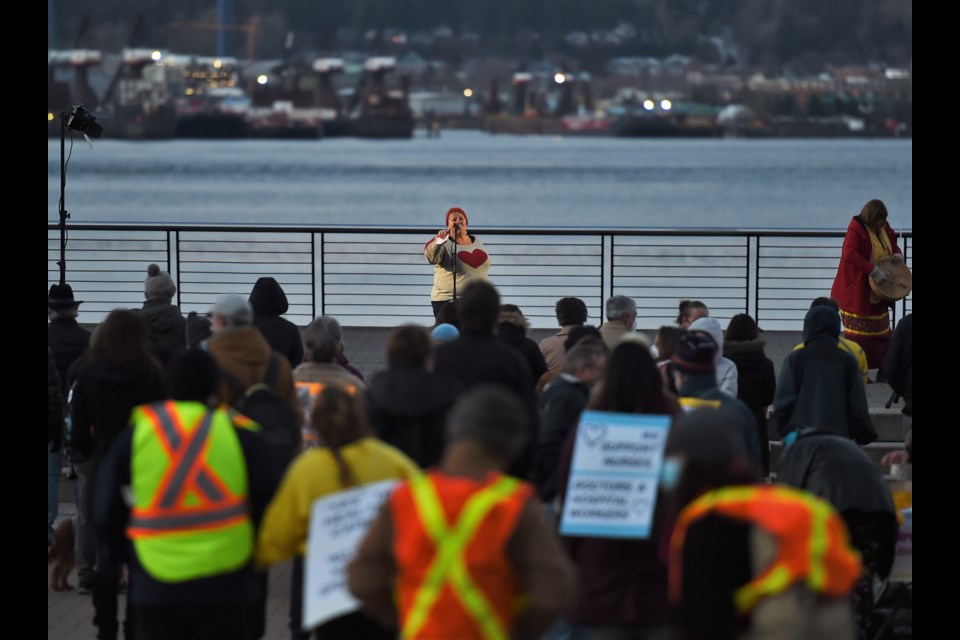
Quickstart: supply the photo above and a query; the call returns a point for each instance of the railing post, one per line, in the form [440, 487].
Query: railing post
[317, 252]
[173, 259]
[753, 277]
[606, 271]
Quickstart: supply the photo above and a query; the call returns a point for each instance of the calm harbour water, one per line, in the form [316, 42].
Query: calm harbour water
[501, 181]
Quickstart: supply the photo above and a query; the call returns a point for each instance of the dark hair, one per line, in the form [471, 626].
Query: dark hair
[198, 329]
[409, 345]
[122, 340]
[667, 335]
[741, 328]
[632, 383]
[580, 332]
[339, 419]
[686, 306]
[193, 375]
[824, 301]
[479, 308]
[571, 311]
[448, 314]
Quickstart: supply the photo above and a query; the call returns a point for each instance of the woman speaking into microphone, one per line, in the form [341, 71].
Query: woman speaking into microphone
[457, 258]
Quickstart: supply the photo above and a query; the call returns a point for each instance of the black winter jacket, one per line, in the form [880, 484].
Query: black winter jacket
[408, 406]
[269, 302]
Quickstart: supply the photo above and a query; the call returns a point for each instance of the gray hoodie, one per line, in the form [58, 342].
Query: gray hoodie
[726, 369]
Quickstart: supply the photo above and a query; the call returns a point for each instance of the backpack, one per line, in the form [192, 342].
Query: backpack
[279, 423]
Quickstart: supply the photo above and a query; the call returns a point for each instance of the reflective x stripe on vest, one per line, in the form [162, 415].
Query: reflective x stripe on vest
[448, 564]
[190, 515]
[186, 464]
[812, 544]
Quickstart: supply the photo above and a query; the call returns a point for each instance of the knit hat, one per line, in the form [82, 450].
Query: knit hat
[445, 332]
[695, 353]
[235, 308]
[158, 284]
[454, 210]
[61, 297]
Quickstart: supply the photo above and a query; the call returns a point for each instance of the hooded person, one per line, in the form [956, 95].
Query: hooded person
[269, 302]
[730, 535]
[166, 326]
[725, 367]
[842, 473]
[820, 386]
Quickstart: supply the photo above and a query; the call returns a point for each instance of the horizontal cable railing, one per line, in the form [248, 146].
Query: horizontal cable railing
[378, 277]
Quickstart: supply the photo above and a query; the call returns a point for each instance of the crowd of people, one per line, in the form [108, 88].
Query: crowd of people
[478, 424]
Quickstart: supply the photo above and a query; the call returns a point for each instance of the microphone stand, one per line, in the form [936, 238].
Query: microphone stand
[456, 230]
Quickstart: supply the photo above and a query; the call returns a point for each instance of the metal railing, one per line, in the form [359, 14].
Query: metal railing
[378, 277]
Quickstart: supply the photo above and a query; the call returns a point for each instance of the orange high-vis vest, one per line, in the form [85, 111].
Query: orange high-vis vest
[451, 533]
[812, 542]
[190, 518]
[307, 393]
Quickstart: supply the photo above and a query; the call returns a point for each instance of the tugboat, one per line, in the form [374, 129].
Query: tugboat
[68, 83]
[210, 102]
[375, 110]
[284, 100]
[138, 99]
[663, 119]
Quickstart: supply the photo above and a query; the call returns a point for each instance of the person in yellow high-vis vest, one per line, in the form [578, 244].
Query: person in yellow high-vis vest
[747, 559]
[180, 497]
[465, 551]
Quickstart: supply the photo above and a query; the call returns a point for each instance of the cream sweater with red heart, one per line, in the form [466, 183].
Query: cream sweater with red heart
[472, 264]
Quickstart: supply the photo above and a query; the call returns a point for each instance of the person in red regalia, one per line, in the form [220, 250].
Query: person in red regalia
[866, 316]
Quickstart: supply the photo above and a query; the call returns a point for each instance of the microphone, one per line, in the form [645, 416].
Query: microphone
[456, 226]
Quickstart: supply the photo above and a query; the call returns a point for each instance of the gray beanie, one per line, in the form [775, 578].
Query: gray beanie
[158, 284]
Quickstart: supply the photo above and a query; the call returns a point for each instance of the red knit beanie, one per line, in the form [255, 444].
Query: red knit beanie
[454, 210]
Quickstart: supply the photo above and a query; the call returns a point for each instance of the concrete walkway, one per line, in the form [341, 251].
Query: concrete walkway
[70, 615]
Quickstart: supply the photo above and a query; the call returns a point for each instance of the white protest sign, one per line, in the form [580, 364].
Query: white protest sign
[612, 488]
[337, 525]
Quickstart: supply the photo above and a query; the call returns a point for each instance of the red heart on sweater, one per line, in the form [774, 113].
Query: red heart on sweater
[473, 259]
